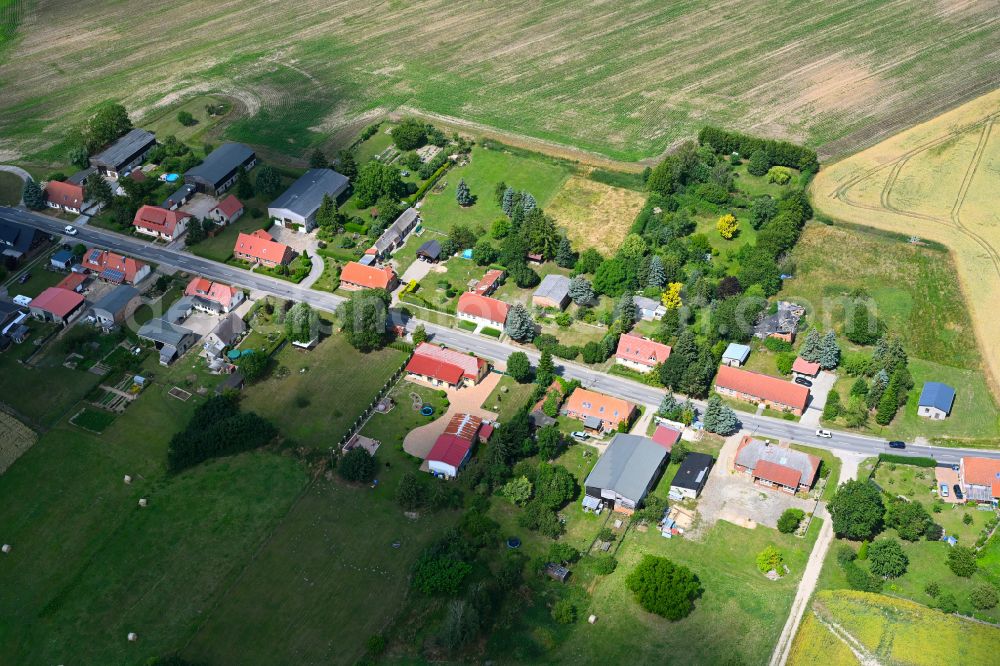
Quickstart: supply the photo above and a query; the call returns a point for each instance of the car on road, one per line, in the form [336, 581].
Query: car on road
[944, 490]
[24, 277]
[896, 444]
[70, 230]
[826, 434]
[958, 491]
[580, 436]
[803, 382]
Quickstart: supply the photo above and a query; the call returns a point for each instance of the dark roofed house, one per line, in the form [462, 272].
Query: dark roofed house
[297, 206]
[219, 170]
[124, 154]
[116, 306]
[936, 400]
[692, 475]
[18, 240]
[625, 474]
[62, 259]
[782, 324]
[180, 197]
[169, 339]
[395, 234]
[429, 251]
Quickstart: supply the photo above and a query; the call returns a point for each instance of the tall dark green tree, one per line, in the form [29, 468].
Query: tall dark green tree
[268, 180]
[519, 325]
[108, 123]
[462, 194]
[363, 317]
[244, 188]
[377, 180]
[317, 159]
[565, 257]
[32, 195]
[347, 165]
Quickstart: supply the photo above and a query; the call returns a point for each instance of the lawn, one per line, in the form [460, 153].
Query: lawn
[41, 279]
[830, 462]
[739, 615]
[313, 396]
[509, 396]
[329, 571]
[165, 123]
[10, 188]
[94, 420]
[541, 177]
[595, 215]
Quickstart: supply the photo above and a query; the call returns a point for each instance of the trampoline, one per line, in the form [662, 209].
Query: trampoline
[427, 410]
[513, 542]
[171, 177]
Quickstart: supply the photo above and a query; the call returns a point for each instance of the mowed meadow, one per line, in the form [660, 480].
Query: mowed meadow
[936, 181]
[626, 80]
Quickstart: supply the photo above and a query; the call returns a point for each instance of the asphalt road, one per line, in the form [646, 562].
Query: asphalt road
[488, 348]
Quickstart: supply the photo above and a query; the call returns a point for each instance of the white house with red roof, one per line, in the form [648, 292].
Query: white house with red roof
[160, 222]
[64, 195]
[261, 248]
[355, 276]
[980, 479]
[640, 354]
[482, 310]
[214, 297]
[115, 268]
[774, 466]
[761, 389]
[440, 365]
[453, 447]
[227, 211]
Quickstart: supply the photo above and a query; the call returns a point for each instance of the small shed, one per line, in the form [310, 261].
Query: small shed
[804, 368]
[62, 259]
[556, 572]
[429, 251]
[735, 355]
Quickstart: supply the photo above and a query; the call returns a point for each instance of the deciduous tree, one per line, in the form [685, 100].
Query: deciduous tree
[357, 465]
[519, 367]
[857, 510]
[664, 588]
[727, 226]
[887, 558]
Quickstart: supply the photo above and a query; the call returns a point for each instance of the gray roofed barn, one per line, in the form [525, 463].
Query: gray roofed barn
[627, 470]
[124, 153]
[221, 167]
[299, 203]
[553, 292]
[116, 305]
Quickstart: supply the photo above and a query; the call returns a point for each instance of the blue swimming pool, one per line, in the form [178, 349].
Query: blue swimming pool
[426, 410]
[171, 177]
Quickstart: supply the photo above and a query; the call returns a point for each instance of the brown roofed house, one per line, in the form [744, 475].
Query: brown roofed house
[261, 248]
[598, 412]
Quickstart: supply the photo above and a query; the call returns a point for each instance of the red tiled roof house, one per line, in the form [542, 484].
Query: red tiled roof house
[160, 222]
[227, 211]
[439, 365]
[453, 447]
[214, 297]
[355, 276]
[777, 467]
[489, 282]
[640, 354]
[598, 412]
[761, 389]
[482, 310]
[63, 195]
[114, 268]
[980, 479]
[56, 304]
[261, 248]
[804, 368]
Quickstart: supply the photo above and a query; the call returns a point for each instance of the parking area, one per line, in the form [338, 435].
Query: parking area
[201, 323]
[200, 205]
[820, 389]
[948, 477]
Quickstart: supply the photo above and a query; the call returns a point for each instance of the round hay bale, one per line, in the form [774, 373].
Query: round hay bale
[6, 548]
[132, 637]
[127, 479]
[142, 501]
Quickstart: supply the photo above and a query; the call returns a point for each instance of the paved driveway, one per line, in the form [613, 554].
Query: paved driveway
[820, 390]
[466, 400]
[199, 205]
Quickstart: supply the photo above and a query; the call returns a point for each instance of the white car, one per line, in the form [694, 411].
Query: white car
[70, 230]
[826, 434]
[580, 435]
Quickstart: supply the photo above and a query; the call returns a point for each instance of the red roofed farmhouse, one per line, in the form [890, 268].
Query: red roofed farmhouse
[482, 310]
[55, 304]
[757, 388]
[773, 466]
[356, 276]
[439, 365]
[227, 211]
[261, 248]
[160, 222]
[639, 353]
[213, 297]
[64, 195]
[454, 447]
[598, 411]
[114, 268]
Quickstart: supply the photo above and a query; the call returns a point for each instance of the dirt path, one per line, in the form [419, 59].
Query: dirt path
[849, 470]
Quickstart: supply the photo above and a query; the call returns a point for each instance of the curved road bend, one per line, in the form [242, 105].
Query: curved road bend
[486, 347]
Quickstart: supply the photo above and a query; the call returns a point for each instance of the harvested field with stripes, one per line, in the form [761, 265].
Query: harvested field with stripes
[15, 439]
[622, 80]
[937, 181]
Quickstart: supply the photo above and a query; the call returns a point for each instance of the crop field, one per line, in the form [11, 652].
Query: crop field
[15, 439]
[594, 214]
[625, 80]
[937, 181]
[885, 630]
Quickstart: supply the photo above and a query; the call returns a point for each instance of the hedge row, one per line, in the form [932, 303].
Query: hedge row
[779, 153]
[907, 460]
[430, 183]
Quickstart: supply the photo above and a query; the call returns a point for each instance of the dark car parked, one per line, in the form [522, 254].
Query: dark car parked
[896, 444]
[958, 491]
[803, 381]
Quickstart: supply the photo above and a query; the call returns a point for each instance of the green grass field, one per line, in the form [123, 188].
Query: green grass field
[441, 211]
[165, 123]
[625, 80]
[303, 401]
[10, 189]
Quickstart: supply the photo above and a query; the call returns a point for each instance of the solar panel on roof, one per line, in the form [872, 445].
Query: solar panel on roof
[94, 256]
[113, 275]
